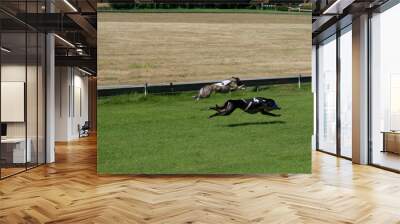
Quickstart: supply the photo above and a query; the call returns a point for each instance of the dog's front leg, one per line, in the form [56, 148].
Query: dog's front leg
[270, 114]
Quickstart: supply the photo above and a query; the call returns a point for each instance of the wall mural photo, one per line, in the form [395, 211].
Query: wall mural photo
[210, 89]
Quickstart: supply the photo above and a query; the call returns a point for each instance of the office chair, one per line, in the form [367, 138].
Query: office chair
[84, 130]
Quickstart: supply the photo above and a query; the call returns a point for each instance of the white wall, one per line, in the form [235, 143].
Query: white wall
[81, 85]
[71, 87]
[62, 85]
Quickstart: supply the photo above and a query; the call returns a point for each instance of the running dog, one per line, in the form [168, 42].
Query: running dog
[224, 86]
[251, 106]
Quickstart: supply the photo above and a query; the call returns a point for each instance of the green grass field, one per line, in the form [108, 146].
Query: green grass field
[171, 134]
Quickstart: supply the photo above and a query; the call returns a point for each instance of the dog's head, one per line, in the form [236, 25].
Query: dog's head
[239, 82]
[270, 104]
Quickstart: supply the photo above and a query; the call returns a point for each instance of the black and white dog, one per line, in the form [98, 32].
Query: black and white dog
[251, 106]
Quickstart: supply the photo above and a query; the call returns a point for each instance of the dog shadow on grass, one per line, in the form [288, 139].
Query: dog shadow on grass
[254, 123]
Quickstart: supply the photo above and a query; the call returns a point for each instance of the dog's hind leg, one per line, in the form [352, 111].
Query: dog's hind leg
[228, 108]
[202, 94]
[197, 97]
[215, 108]
[214, 115]
[218, 108]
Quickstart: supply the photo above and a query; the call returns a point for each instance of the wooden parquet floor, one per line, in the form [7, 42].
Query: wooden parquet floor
[70, 191]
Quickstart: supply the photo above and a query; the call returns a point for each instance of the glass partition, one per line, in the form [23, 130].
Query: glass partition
[14, 151]
[32, 96]
[385, 89]
[327, 95]
[22, 77]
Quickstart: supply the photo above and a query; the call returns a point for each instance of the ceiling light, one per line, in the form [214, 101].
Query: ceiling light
[65, 41]
[80, 51]
[337, 7]
[333, 6]
[70, 5]
[84, 71]
[5, 50]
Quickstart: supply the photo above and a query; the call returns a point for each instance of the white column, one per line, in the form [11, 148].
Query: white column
[50, 94]
[360, 90]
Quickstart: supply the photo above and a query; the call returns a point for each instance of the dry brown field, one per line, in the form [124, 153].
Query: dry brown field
[138, 48]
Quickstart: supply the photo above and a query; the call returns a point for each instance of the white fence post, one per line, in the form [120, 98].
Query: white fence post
[300, 81]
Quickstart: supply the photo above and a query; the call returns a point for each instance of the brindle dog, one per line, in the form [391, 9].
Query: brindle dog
[251, 106]
[221, 87]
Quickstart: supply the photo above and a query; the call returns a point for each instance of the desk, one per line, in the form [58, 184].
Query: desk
[15, 148]
[391, 141]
